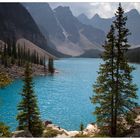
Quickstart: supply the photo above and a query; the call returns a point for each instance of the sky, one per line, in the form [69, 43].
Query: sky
[105, 9]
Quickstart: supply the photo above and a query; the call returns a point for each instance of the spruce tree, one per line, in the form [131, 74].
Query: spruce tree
[114, 90]
[9, 48]
[104, 87]
[14, 52]
[50, 65]
[29, 117]
[125, 90]
[81, 127]
[19, 55]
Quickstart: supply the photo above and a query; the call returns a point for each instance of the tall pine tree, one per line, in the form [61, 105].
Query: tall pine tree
[104, 87]
[28, 117]
[50, 65]
[114, 88]
[125, 90]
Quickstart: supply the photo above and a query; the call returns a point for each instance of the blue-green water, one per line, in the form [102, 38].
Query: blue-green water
[63, 98]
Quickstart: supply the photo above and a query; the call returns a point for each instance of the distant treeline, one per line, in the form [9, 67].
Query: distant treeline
[11, 54]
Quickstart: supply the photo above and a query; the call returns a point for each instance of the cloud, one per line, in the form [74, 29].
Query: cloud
[105, 9]
[76, 7]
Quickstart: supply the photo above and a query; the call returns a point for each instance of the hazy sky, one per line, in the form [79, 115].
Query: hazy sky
[105, 9]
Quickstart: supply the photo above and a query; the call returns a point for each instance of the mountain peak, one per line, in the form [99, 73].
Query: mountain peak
[63, 8]
[133, 12]
[63, 11]
[82, 17]
[96, 16]
[38, 6]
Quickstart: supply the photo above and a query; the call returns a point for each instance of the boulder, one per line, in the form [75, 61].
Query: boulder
[72, 133]
[22, 133]
[91, 129]
[61, 132]
[137, 120]
[47, 123]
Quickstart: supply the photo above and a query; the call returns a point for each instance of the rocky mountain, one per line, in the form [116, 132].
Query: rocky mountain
[16, 22]
[96, 21]
[101, 23]
[65, 31]
[84, 19]
[44, 17]
[58, 31]
[133, 24]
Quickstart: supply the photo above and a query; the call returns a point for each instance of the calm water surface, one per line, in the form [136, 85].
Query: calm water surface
[63, 98]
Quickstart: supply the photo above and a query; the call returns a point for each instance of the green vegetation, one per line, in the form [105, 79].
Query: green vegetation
[50, 132]
[50, 65]
[81, 127]
[130, 118]
[100, 135]
[28, 116]
[4, 81]
[81, 135]
[4, 130]
[115, 92]
[12, 54]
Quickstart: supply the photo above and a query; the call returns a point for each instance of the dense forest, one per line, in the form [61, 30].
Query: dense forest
[12, 54]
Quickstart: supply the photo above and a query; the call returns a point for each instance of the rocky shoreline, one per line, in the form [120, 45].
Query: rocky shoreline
[91, 130]
[52, 130]
[16, 72]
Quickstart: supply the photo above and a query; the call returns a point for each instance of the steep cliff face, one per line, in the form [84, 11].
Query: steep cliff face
[69, 35]
[16, 22]
[45, 18]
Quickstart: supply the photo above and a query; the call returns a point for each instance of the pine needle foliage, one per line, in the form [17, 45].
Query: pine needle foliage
[114, 90]
[28, 116]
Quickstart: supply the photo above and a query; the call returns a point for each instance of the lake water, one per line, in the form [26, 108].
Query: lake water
[64, 97]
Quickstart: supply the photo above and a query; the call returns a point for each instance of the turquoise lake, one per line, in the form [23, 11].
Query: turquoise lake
[63, 98]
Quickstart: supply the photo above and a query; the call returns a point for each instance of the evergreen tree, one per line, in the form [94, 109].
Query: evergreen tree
[14, 52]
[50, 65]
[10, 54]
[104, 87]
[28, 56]
[81, 127]
[115, 92]
[5, 56]
[125, 90]
[19, 55]
[9, 48]
[28, 116]
[43, 62]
